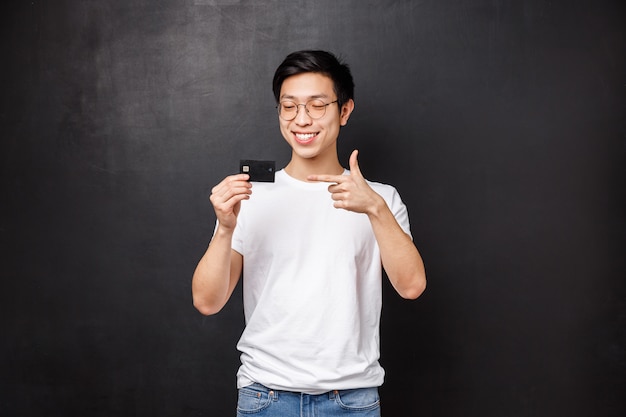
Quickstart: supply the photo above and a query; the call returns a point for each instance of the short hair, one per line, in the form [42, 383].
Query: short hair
[320, 62]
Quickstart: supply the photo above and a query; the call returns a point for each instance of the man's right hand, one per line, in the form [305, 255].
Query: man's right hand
[226, 198]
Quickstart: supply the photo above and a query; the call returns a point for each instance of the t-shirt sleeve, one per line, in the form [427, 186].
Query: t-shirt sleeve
[399, 210]
[397, 207]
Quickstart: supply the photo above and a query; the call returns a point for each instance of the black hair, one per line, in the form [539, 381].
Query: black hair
[321, 62]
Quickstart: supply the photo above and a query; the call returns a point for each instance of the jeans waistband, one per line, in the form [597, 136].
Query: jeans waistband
[275, 393]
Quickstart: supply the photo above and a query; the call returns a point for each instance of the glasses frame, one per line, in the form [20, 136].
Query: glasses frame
[278, 106]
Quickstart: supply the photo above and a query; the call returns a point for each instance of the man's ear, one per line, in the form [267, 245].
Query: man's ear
[346, 111]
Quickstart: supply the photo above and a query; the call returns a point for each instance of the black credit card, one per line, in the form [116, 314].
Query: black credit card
[260, 171]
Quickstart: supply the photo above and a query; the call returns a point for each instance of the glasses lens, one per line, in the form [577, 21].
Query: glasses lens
[316, 108]
[287, 110]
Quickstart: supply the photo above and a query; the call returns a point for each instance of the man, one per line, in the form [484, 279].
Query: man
[310, 247]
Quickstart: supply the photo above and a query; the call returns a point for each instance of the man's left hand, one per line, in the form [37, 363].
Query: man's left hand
[351, 192]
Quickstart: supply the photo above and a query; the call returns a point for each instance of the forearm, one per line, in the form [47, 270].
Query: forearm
[212, 280]
[400, 258]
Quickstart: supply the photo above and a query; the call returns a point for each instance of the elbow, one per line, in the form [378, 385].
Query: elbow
[206, 311]
[414, 291]
[206, 308]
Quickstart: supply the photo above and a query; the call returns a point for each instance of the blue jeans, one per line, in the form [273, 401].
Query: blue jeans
[259, 401]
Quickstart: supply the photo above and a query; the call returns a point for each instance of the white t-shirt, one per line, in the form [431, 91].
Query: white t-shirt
[312, 288]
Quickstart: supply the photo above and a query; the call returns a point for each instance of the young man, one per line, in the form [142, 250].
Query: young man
[310, 247]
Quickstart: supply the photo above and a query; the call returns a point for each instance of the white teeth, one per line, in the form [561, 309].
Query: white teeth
[304, 136]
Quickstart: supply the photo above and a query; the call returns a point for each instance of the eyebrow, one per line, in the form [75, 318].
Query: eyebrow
[307, 98]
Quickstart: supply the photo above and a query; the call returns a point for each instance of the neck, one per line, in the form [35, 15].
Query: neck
[300, 168]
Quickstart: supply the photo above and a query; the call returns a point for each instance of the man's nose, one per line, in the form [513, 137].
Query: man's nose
[302, 116]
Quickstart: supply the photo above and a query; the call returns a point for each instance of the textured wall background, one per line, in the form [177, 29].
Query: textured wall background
[501, 123]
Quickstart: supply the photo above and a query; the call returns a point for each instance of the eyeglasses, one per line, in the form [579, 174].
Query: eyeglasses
[315, 109]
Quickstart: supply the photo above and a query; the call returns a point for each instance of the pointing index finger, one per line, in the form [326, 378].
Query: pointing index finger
[326, 178]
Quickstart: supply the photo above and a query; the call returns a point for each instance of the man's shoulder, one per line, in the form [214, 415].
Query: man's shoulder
[382, 188]
[388, 192]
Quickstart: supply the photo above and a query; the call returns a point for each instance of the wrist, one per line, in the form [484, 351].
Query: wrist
[224, 231]
[377, 207]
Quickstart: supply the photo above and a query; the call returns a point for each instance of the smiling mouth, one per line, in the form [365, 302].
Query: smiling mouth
[305, 137]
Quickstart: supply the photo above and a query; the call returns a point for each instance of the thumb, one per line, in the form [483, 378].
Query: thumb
[354, 163]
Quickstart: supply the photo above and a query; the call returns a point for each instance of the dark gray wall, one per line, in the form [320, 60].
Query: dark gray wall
[500, 122]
